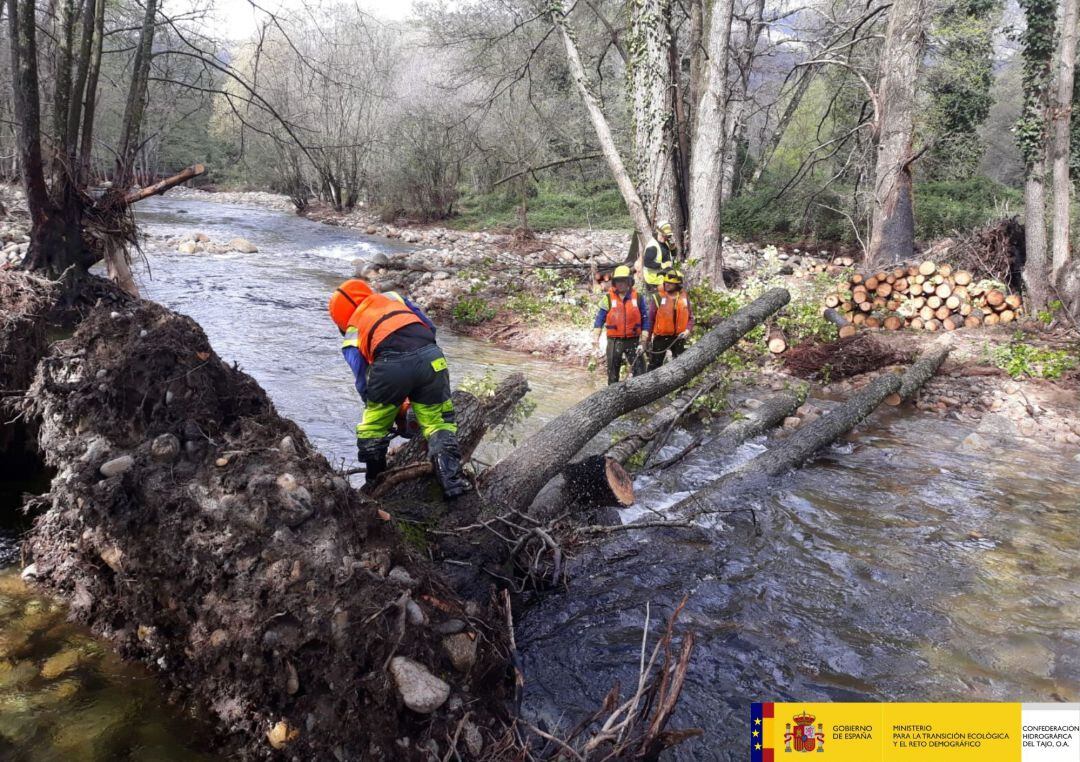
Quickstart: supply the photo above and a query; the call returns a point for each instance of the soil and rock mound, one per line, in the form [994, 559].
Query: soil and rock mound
[197, 530]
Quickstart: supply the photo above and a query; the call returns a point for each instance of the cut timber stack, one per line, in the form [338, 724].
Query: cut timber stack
[924, 297]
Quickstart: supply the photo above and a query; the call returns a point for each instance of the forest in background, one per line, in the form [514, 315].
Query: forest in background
[819, 119]
[425, 119]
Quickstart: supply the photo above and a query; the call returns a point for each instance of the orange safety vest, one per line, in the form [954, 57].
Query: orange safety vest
[377, 317]
[623, 317]
[672, 314]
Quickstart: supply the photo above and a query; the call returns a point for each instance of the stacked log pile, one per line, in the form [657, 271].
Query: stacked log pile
[923, 297]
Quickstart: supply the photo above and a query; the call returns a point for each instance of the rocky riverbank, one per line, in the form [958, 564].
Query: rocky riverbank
[538, 296]
[14, 227]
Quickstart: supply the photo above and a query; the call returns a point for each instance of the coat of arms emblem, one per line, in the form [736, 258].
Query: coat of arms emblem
[804, 737]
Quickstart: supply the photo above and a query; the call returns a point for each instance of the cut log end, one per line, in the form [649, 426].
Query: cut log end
[599, 481]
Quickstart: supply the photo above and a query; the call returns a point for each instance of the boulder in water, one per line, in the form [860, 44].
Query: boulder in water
[243, 245]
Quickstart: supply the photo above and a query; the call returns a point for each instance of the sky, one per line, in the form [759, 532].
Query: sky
[240, 18]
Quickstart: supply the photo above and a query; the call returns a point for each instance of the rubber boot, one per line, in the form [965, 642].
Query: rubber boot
[445, 456]
[372, 453]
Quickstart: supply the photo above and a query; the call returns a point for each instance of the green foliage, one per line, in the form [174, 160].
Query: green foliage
[554, 206]
[1037, 43]
[1020, 359]
[1048, 315]
[483, 387]
[959, 86]
[415, 533]
[710, 306]
[802, 321]
[948, 206]
[943, 207]
[555, 300]
[472, 310]
[636, 461]
[756, 215]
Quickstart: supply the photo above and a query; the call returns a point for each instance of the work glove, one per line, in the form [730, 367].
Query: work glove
[683, 336]
[645, 338]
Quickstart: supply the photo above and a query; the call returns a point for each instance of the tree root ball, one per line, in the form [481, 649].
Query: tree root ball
[260, 588]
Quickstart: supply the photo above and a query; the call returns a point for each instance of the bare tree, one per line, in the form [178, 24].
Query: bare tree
[1061, 120]
[892, 237]
[652, 96]
[599, 122]
[1031, 133]
[707, 149]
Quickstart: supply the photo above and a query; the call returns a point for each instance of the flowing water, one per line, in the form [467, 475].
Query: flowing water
[266, 312]
[899, 566]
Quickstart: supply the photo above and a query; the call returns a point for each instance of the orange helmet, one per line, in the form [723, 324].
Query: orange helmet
[345, 299]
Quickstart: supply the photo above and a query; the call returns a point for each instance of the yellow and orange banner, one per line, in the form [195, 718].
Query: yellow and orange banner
[914, 732]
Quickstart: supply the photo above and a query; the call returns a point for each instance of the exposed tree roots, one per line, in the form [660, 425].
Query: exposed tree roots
[198, 530]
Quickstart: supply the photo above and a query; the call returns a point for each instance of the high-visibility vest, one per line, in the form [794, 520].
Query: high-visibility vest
[663, 258]
[623, 316]
[377, 317]
[672, 314]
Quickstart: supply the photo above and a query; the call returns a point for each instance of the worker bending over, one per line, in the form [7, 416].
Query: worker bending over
[625, 317]
[390, 345]
[659, 257]
[671, 320]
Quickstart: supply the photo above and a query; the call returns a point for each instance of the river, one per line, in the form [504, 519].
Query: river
[898, 566]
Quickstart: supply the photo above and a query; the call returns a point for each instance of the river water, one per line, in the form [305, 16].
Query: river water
[898, 566]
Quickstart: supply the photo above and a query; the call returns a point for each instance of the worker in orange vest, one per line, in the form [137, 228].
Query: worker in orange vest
[390, 345]
[624, 315]
[671, 320]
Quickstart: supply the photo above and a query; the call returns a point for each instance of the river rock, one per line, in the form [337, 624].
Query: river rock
[416, 615]
[117, 466]
[243, 245]
[420, 690]
[449, 627]
[30, 573]
[474, 741]
[461, 649]
[165, 448]
[401, 575]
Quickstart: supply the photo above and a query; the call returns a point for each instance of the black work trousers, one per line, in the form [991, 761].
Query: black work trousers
[660, 346]
[620, 352]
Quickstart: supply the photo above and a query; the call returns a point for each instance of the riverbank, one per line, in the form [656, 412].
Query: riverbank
[538, 296]
[908, 552]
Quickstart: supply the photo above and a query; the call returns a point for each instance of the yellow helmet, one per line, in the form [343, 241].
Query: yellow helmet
[673, 277]
[664, 227]
[622, 271]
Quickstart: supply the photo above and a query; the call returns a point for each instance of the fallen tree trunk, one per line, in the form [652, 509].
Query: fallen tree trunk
[808, 440]
[555, 497]
[663, 419]
[925, 366]
[792, 452]
[475, 417]
[769, 415]
[160, 187]
[599, 481]
[201, 532]
[409, 476]
[514, 482]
